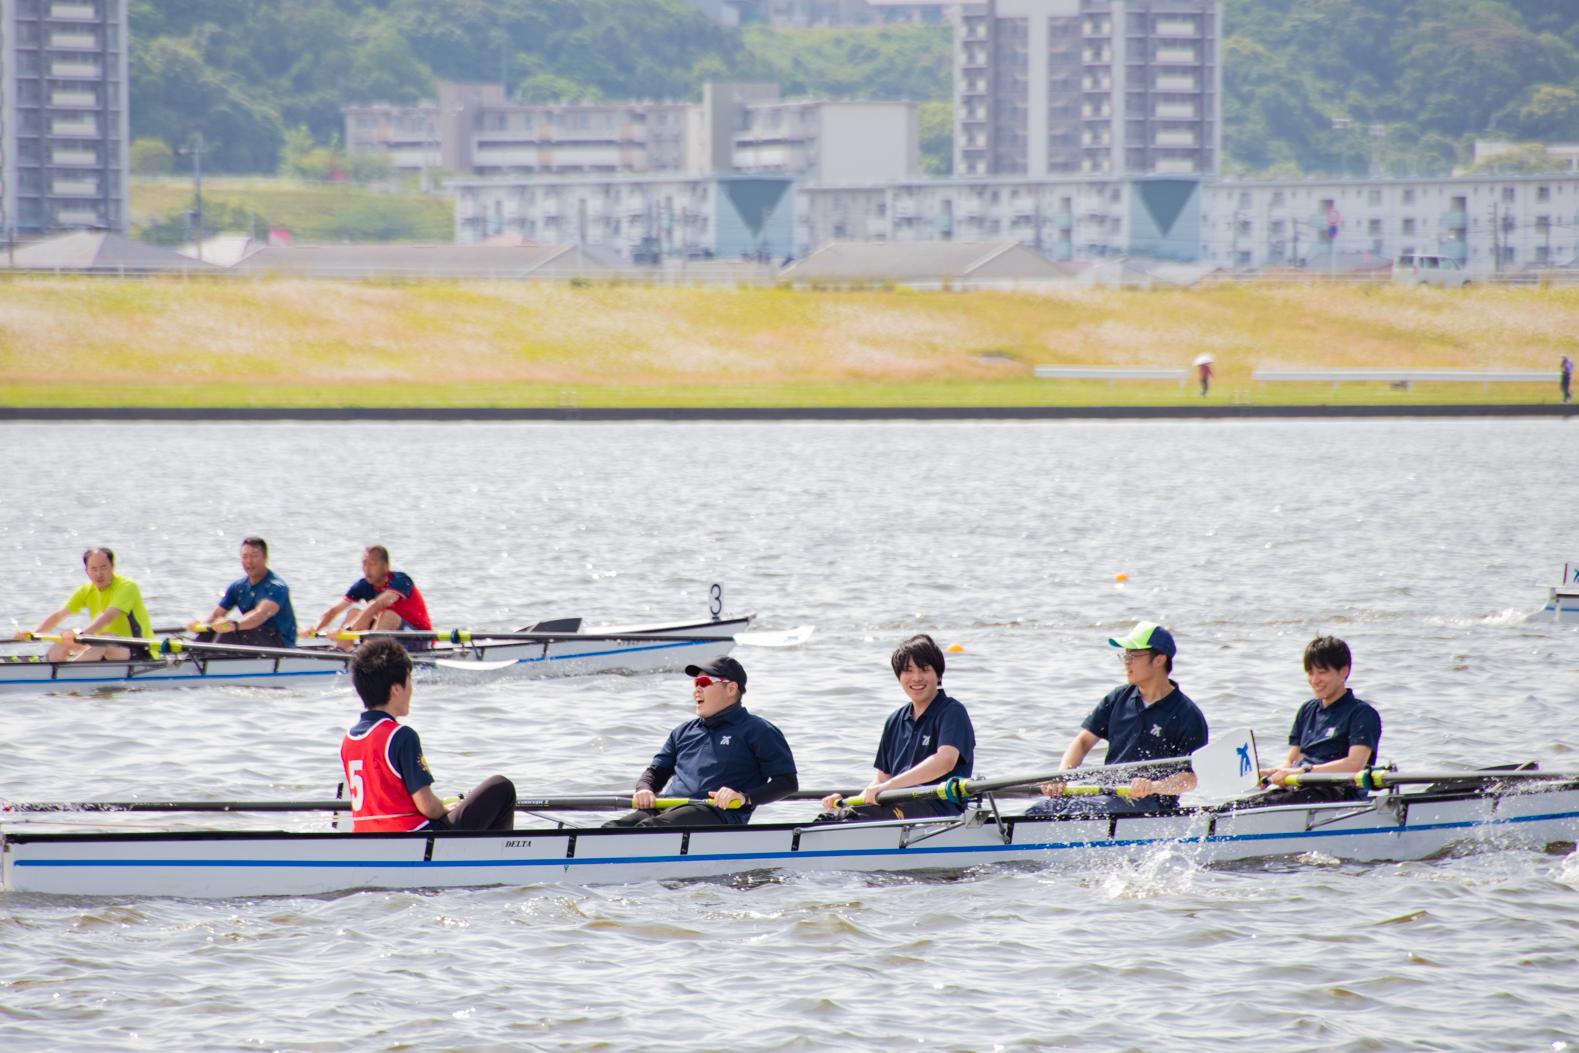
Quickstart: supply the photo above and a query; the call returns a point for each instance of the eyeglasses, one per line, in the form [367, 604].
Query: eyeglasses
[1128, 656]
[709, 681]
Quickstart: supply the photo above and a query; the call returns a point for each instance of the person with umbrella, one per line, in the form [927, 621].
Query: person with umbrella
[1203, 369]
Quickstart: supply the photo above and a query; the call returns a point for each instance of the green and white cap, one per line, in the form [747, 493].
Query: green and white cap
[1148, 636]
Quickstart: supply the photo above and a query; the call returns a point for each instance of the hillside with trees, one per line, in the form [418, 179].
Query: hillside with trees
[264, 80]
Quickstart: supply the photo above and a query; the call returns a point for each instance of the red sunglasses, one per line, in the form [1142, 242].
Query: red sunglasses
[709, 681]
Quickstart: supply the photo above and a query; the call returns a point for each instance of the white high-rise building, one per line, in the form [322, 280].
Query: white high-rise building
[64, 89]
[1088, 87]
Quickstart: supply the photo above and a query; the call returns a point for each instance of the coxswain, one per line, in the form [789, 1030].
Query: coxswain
[261, 602]
[393, 602]
[726, 755]
[385, 771]
[114, 606]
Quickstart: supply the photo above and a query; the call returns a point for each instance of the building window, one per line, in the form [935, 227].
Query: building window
[1409, 227]
[1409, 197]
[1543, 193]
[1374, 227]
[1373, 197]
[1507, 195]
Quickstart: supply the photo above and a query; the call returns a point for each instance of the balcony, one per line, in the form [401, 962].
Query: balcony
[67, 158]
[1096, 55]
[1176, 139]
[81, 126]
[74, 188]
[1174, 166]
[1178, 29]
[62, 70]
[74, 41]
[74, 12]
[74, 100]
[78, 217]
[1178, 56]
[1177, 82]
[1454, 219]
[1177, 111]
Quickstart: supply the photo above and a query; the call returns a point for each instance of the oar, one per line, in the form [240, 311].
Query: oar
[588, 803]
[784, 638]
[1223, 767]
[466, 636]
[28, 636]
[174, 646]
[1381, 778]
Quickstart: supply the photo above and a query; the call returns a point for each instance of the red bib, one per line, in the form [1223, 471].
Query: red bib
[379, 798]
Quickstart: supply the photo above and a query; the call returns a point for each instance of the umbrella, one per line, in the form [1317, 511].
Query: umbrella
[1203, 360]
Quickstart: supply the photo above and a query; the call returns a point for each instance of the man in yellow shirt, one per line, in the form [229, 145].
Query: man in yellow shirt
[113, 603]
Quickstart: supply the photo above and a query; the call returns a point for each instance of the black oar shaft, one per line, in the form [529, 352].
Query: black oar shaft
[478, 637]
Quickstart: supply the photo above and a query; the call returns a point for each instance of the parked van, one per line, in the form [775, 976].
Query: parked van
[1442, 271]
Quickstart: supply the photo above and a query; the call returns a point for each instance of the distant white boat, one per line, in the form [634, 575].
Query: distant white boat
[1562, 602]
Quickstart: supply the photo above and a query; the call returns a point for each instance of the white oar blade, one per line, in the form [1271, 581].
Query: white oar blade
[786, 638]
[1227, 766]
[466, 665]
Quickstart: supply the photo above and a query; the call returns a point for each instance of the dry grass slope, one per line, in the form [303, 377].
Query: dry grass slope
[69, 341]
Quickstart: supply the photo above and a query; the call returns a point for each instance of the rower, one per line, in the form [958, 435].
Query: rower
[261, 600]
[1333, 732]
[928, 739]
[391, 786]
[393, 602]
[1148, 718]
[727, 754]
[113, 603]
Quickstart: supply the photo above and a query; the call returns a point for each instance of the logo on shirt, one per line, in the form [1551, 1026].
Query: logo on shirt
[1330, 732]
[1156, 729]
[926, 740]
[723, 740]
[422, 762]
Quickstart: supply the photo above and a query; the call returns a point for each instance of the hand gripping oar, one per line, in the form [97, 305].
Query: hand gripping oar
[1381, 778]
[1223, 767]
[166, 646]
[586, 803]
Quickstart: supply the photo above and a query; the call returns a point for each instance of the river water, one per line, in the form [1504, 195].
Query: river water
[1427, 545]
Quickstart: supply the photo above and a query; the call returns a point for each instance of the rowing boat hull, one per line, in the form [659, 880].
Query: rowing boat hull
[563, 657]
[1562, 605]
[212, 864]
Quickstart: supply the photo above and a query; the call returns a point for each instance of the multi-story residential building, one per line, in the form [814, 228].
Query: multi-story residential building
[474, 128]
[744, 128]
[1080, 217]
[643, 218]
[830, 142]
[1088, 87]
[1488, 223]
[799, 13]
[64, 78]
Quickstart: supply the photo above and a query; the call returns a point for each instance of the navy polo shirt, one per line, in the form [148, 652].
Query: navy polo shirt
[1172, 726]
[244, 596]
[405, 750]
[908, 741]
[1325, 733]
[731, 748]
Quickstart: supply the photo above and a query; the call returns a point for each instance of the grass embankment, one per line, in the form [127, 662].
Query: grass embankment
[278, 342]
[310, 211]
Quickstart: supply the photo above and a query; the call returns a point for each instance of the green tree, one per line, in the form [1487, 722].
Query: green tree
[152, 157]
[937, 138]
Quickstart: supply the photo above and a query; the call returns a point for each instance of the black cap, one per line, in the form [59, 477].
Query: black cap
[723, 667]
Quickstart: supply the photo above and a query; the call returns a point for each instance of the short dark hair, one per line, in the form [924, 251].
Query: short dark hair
[920, 649]
[98, 548]
[378, 550]
[1328, 652]
[258, 543]
[376, 667]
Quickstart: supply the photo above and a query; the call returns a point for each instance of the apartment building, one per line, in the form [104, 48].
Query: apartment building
[1490, 224]
[737, 127]
[65, 83]
[1081, 217]
[642, 218]
[1088, 87]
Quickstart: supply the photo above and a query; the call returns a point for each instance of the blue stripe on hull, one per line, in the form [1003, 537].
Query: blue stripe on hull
[770, 857]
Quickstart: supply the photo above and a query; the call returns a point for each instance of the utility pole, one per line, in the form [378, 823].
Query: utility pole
[195, 151]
